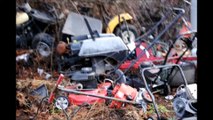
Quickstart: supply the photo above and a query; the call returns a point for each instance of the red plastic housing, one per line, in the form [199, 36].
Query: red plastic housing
[151, 57]
[123, 92]
[80, 99]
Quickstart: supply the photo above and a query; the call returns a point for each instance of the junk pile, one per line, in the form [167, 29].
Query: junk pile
[115, 69]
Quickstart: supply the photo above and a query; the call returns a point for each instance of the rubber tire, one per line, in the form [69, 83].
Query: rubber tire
[65, 98]
[147, 100]
[42, 37]
[123, 28]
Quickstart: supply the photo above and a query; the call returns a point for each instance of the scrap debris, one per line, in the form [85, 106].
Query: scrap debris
[105, 61]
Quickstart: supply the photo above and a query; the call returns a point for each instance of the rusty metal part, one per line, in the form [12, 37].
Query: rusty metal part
[61, 48]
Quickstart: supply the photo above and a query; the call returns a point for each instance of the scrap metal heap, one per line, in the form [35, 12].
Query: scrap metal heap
[116, 70]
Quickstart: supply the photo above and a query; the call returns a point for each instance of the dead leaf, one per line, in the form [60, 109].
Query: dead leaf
[141, 112]
[55, 117]
[18, 113]
[34, 108]
[21, 98]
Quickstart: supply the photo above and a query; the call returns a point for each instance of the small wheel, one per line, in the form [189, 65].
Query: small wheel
[43, 42]
[62, 102]
[123, 31]
[43, 49]
[147, 97]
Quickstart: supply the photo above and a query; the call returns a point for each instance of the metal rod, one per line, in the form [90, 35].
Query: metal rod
[93, 95]
[154, 27]
[174, 58]
[150, 93]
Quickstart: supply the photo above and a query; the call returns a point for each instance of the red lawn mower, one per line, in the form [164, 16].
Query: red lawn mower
[176, 53]
[120, 95]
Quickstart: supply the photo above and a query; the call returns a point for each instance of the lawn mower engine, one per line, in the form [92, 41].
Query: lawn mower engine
[126, 92]
[84, 79]
[156, 81]
[123, 92]
[185, 102]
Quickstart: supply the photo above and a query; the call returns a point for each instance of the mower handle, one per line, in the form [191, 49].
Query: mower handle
[60, 78]
[146, 85]
[187, 2]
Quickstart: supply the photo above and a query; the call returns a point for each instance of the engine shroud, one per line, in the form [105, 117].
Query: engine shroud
[86, 77]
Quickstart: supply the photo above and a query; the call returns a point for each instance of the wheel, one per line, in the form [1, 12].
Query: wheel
[43, 42]
[123, 31]
[147, 97]
[62, 102]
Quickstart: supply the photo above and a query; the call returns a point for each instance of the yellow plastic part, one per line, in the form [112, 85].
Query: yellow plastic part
[115, 21]
[21, 18]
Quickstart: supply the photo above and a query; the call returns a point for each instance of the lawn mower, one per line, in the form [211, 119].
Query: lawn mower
[108, 55]
[120, 25]
[185, 102]
[182, 97]
[119, 96]
[188, 65]
[33, 28]
[90, 52]
[161, 79]
[186, 40]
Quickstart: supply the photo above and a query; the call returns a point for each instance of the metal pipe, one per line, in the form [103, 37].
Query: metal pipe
[154, 27]
[93, 95]
[150, 93]
[174, 58]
